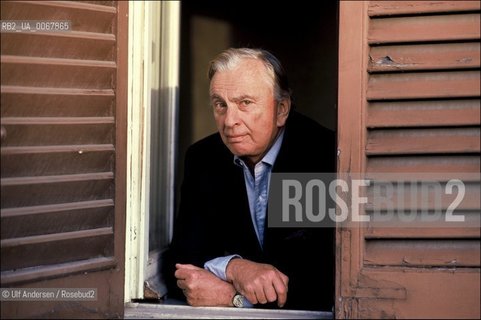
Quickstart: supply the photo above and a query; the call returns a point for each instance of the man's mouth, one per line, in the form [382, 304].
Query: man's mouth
[235, 138]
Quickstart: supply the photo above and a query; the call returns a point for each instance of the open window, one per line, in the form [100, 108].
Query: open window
[305, 40]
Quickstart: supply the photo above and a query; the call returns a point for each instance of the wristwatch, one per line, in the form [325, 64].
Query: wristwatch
[238, 300]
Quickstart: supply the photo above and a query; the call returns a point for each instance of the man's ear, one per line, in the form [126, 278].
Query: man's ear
[283, 108]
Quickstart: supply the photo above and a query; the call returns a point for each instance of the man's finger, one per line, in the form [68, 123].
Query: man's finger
[186, 266]
[261, 297]
[284, 278]
[181, 284]
[270, 293]
[183, 273]
[281, 291]
[250, 296]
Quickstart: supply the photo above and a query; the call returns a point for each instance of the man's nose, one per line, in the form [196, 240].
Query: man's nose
[231, 116]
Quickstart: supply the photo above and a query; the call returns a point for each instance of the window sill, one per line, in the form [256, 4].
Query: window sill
[163, 311]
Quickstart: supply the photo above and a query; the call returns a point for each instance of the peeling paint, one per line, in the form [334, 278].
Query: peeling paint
[465, 60]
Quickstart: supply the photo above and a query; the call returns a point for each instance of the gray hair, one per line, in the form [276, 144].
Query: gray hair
[230, 58]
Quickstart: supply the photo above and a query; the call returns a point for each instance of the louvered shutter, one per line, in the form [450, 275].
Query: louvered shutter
[409, 102]
[63, 118]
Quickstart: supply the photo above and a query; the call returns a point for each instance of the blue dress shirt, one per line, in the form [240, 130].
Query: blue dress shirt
[257, 187]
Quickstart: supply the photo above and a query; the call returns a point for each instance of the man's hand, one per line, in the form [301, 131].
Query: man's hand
[259, 283]
[202, 287]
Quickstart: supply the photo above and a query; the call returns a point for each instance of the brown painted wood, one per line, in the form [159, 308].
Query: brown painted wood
[56, 163]
[51, 75]
[22, 241]
[424, 163]
[459, 84]
[101, 6]
[57, 222]
[454, 27]
[56, 120]
[426, 292]
[351, 136]
[65, 45]
[53, 271]
[36, 135]
[447, 253]
[388, 8]
[84, 17]
[14, 212]
[57, 91]
[64, 107]
[423, 233]
[435, 200]
[39, 105]
[427, 141]
[54, 252]
[104, 307]
[57, 61]
[38, 194]
[424, 57]
[421, 81]
[6, 182]
[55, 149]
[442, 113]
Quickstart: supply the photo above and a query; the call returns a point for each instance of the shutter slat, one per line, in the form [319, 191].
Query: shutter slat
[68, 46]
[9, 59]
[430, 85]
[455, 27]
[56, 219]
[424, 233]
[446, 113]
[23, 211]
[35, 135]
[55, 149]
[61, 76]
[56, 163]
[18, 181]
[62, 192]
[84, 5]
[412, 198]
[426, 253]
[387, 8]
[83, 17]
[53, 249]
[57, 120]
[56, 91]
[424, 57]
[15, 242]
[39, 105]
[58, 270]
[427, 141]
[424, 163]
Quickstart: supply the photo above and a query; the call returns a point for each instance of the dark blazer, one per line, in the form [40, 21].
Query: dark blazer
[214, 218]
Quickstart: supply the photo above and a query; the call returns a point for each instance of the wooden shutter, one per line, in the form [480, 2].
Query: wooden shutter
[409, 101]
[63, 156]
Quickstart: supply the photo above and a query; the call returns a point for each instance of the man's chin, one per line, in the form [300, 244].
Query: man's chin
[238, 150]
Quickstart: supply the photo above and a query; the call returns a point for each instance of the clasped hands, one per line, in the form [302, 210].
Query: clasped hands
[259, 283]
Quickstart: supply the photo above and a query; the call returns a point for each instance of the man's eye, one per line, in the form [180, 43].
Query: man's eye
[219, 105]
[246, 102]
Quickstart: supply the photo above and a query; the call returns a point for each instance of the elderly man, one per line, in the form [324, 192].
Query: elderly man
[223, 252]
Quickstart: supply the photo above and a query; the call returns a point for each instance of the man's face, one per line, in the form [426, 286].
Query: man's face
[247, 115]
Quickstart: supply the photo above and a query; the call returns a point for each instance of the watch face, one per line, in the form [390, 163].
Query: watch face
[238, 301]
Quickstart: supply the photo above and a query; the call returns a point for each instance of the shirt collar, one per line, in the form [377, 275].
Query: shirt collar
[271, 155]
